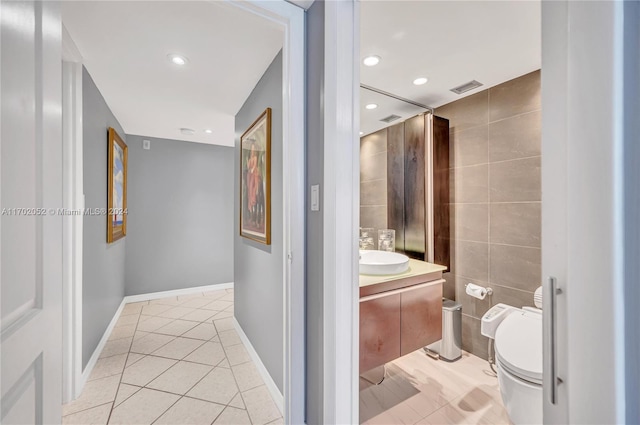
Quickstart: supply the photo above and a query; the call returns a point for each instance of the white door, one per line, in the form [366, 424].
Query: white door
[31, 234]
[583, 95]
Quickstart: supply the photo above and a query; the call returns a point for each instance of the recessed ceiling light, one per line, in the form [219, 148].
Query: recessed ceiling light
[420, 81]
[372, 60]
[361, 133]
[208, 131]
[177, 59]
[187, 131]
[371, 106]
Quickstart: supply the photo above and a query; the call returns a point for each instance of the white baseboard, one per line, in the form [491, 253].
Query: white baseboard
[264, 373]
[96, 353]
[177, 292]
[137, 298]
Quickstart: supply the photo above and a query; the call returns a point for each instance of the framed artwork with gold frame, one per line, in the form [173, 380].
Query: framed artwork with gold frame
[255, 180]
[117, 188]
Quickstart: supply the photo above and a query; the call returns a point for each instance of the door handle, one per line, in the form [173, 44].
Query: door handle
[551, 333]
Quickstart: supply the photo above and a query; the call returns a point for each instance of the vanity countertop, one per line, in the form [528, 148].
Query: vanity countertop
[416, 268]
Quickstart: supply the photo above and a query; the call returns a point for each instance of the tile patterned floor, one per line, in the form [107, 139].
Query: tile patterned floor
[175, 360]
[423, 391]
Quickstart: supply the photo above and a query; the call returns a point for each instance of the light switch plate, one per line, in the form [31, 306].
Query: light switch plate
[315, 197]
[146, 144]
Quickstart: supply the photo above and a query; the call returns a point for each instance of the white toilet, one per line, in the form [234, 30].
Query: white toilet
[518, 348]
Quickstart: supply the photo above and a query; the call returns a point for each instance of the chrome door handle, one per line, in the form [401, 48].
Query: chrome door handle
[551, 375]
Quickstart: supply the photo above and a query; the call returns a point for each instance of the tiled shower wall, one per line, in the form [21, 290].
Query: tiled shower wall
[495, 199]
[373, 180]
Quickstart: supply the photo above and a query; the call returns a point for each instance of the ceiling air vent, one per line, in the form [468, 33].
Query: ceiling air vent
[390, 118]
[466, 87]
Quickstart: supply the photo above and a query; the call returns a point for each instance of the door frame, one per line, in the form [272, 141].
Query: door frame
[73, 200]
[292, 20]
[341, 199]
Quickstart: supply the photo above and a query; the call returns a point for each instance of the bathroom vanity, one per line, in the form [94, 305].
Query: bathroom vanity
[399, 313]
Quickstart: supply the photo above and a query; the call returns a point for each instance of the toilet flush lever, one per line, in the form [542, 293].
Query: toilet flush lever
[551, 334]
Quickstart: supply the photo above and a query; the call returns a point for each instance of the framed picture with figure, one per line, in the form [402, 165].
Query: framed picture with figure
[255, 180]
[117, 188]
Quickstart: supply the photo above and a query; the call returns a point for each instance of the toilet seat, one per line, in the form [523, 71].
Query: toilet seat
[518, 345]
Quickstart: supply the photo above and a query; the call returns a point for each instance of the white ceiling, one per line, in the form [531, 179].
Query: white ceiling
[125, 46]
[450, 43]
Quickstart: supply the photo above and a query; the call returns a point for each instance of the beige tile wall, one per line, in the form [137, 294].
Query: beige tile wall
[495, 199]
[373, 180]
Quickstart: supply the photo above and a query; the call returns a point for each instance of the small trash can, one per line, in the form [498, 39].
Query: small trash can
[450, 346]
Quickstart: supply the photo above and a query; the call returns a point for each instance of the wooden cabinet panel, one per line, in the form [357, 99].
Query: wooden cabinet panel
[395, 182]
[379, 331]
[441, 235]
[414, 188]
[421, 317]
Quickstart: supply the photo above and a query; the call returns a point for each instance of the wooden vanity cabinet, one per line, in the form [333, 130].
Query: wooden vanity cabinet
[398, 322]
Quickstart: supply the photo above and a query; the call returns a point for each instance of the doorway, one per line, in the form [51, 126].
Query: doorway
[290, 20]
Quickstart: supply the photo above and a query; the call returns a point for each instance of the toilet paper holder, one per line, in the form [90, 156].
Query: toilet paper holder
[477, 291]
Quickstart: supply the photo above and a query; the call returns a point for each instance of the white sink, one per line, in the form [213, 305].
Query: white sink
[383, 262]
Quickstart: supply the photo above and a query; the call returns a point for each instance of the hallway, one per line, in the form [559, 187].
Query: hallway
[175, 360]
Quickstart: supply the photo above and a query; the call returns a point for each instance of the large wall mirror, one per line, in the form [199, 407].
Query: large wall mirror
[404, 174]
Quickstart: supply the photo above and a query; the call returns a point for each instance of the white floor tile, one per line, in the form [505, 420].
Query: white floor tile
[180, 378]
[133, 358]
[222, 315]
[189, 411]
[237, 354]
[152, 323]
[94, 393]
[134, 308]
[94, 416]
[260, 406]
[176, 328]
[217, 305]
[108, 366]
[199, 316]
[224, 324]
[176, 312]
[150, 343]
[219, 386]
[146, 370]
[155, 309]
[204, 331]
[142, 408]
[131, 319]
[247, 376]
[124, 392]
[209, 353]
[229, 338]
[237, 402]
[196, 302]
[124, 331]
[115, 347]
[179, 348]
[233, 416]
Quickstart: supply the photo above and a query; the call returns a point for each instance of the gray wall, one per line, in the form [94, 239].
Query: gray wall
[180, 223]
[103, 280]
[258, 268]
[315, 223]
[495, 199]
